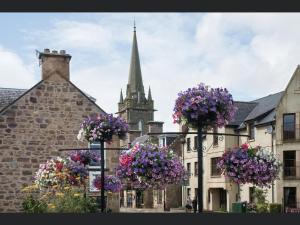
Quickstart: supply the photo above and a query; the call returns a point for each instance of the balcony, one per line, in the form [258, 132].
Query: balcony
[290, 135]
[291, 173]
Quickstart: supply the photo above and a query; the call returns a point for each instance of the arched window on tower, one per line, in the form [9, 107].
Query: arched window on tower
[140, 124]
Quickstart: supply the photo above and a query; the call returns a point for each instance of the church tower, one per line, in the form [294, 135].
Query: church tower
[136, 109]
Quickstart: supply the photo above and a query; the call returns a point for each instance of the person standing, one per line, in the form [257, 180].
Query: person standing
[195, 205]
[188, 205]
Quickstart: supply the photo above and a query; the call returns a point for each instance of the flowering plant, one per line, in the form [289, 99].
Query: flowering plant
[146, 166]
[71, 170]
[102, 127]
[51, 173]
[84, 157]
[211, 107]
[250, 165]
[111, 183]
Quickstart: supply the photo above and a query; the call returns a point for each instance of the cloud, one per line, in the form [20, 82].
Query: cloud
[252, 54]
[13, 69]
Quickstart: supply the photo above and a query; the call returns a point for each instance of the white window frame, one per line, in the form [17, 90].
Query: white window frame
[93, 174]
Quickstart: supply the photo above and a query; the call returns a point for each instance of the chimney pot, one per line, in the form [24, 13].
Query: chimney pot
[54, 62]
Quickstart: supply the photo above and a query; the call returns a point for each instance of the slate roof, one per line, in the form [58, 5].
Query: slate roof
[8, 95]
[265, 105]
[244, 108]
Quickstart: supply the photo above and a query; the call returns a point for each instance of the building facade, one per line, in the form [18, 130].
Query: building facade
[36, 123]
[138, 111]
[272, 122]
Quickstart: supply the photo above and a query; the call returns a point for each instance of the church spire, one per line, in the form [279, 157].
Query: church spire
[121, 97]
[149, 95]
[135, 80]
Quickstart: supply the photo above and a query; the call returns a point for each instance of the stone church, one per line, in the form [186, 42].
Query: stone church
[138, 111]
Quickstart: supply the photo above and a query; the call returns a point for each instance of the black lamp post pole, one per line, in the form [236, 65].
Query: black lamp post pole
[200, 169]
[102, 176]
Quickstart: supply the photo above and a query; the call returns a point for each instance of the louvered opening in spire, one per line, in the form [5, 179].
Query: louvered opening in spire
[135, 80]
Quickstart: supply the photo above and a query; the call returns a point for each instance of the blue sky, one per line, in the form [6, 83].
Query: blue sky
[252, 54]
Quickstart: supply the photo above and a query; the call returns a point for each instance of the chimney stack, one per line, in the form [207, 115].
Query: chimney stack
[54, 62]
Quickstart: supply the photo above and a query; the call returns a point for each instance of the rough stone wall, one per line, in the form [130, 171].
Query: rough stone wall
[33, 129]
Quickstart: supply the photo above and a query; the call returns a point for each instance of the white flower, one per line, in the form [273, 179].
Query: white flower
[80, 135]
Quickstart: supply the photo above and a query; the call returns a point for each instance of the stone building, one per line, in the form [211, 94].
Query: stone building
[271, 122]
[138, 111]
[36, 123]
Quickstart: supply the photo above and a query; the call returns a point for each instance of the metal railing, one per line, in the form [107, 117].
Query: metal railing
[292, 134]
[292, 207]
[291, 173]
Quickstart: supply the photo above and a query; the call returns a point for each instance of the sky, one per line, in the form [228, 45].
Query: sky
[251, 54]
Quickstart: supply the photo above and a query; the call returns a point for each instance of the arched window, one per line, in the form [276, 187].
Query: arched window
[140, 125]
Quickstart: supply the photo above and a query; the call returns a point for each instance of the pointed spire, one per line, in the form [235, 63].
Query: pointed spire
[128, 95]
[149, 95]
[121, 97]
[135, 80]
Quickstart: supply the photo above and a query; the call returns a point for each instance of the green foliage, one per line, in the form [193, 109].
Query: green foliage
[260, 195]
[262, 208]
[275, 208]
[71, 202]
[33, 205]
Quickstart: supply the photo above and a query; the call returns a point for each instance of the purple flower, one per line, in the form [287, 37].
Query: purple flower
[210, 106]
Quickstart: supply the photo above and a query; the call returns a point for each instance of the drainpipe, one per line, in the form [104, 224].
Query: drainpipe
[272, 149]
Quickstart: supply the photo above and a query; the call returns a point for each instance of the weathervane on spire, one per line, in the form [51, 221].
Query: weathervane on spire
[134, 27]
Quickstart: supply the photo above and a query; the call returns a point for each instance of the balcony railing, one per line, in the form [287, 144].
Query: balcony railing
[291, 173]
[292, 134]
[292, 207]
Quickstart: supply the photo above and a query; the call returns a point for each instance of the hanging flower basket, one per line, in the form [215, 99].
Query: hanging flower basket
[111, 183]
[148, 166]
[84, 157]
[102, 127]
[71, 170]
[59, 171]
[210, 106]
[250, 165]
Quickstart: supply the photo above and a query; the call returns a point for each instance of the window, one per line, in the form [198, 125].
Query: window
[251, 194]
[215, 137]
[290, 197]
[196, 169]
[140, 124]
[189, 192]
[288, 126]
[251, 131]
[188, 144]
[95, 166]
[196, 193]
[289, 163]
[164, 142]
[215, 171]
[196, 143]
[188, 168]
[223, 198]
[159, 196]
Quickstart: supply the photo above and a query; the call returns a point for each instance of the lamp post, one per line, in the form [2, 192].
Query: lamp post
[200, 168]
[102, 176]
[200, 134]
